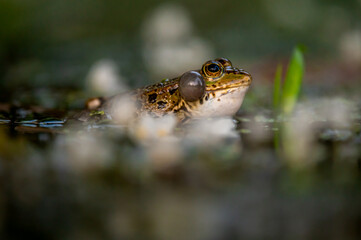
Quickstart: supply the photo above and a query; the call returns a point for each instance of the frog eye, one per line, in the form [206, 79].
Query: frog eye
[213, 69]
[192, 86]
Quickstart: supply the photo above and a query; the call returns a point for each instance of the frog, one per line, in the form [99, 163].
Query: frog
[215, 90]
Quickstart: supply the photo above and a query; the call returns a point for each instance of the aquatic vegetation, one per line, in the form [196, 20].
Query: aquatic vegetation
[285, 96]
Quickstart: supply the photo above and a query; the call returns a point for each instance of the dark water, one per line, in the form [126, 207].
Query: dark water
[81, 181]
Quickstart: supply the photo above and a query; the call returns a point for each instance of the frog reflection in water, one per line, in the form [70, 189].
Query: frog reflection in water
[217, 89]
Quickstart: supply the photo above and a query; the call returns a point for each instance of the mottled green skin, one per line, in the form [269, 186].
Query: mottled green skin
[164, 98]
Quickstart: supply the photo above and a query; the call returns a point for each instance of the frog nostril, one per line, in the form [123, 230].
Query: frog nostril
[241, 71]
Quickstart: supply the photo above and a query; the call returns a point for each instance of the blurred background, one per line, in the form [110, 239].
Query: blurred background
[55, 44]
[101, 184]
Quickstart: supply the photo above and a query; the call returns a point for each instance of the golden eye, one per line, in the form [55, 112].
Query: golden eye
[213, 69]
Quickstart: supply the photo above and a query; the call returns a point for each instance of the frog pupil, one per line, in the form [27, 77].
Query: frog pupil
[213, 68]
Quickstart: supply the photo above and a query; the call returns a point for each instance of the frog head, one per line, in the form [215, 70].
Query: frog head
[218, 89]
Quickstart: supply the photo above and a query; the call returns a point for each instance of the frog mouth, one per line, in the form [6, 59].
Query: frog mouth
[230, 88]
[237, 79]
